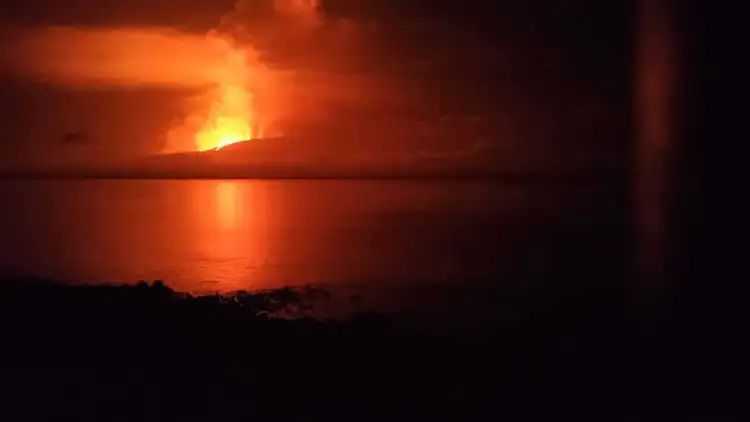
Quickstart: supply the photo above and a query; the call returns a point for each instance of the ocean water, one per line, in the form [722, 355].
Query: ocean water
[207, 236]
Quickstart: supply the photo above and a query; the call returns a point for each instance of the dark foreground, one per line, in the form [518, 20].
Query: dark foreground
[146, 352]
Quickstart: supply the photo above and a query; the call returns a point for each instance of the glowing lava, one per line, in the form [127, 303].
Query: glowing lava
[228, 121]
[230, 116]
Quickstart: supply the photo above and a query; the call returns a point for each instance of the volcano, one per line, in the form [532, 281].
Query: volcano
[288, 157]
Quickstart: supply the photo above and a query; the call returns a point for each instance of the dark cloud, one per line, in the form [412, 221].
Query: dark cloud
[194, 15]
[517, 69]
[438, 71]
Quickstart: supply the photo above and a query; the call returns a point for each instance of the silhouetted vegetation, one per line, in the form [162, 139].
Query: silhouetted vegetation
[146, 352]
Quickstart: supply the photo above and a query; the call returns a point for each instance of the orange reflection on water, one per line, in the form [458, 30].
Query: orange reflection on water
[229, 208]
[230, 225]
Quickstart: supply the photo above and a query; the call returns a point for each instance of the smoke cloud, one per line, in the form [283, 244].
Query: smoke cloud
[275, 64]
[95, 56]
[356, 75]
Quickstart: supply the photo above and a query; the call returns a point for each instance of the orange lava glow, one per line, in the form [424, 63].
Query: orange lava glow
[228, 121]
[230, 116]
[225, 76]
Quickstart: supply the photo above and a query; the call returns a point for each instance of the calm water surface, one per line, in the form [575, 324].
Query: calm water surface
[224, 235]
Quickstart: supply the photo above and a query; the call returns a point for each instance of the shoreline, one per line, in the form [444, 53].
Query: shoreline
[198, 357]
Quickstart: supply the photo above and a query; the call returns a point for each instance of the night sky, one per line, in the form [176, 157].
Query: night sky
[379, 75]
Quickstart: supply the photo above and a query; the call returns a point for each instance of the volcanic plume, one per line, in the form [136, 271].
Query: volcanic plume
[359, 80]
[221, 67]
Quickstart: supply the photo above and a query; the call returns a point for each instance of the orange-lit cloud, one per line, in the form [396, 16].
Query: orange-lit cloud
[132, 57]
[269, 68]
[124, 56]
[305, 10]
